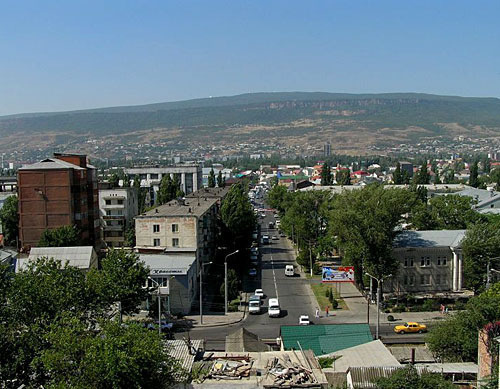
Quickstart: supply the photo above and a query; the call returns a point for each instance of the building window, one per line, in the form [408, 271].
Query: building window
[156, 242]
[175, 228]
[156, 228]
[108, 202]
[425, 279]
[408, 262]
[425, 261]
[438, 279]
[441, 261]
[175, 242]
[120, 202]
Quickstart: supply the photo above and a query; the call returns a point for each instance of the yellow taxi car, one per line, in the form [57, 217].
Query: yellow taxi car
[410, 327]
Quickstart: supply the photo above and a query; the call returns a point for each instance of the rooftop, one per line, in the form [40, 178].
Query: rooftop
[209, 193]
[325, 339]
[439, 238]
[82, 257]
[190, 206]
[165, 264]
[51, 164]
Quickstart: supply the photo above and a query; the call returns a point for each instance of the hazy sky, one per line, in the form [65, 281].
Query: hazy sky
[62, 55]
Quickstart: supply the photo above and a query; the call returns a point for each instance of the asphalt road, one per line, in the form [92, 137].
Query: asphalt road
[293, 295]
[291, 292]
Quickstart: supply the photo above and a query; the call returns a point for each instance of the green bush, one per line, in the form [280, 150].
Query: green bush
[327, 292]
[330, 295]
[335, 303]
[325, 362]
[399, 309]
[390, 318]
[428, 305]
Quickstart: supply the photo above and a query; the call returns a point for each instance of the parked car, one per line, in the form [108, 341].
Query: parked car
[275, 237]
[259, 292]
[254, 250]
[274, 308]
[410, 327]
[304, 320]
[252, 272]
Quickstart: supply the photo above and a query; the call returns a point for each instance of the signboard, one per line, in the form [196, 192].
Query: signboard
[338, 274]
[171, 271]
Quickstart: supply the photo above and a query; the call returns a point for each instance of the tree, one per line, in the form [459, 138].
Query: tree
[114, 357]
[397, 177]
[422, 177]
[481, 243]
[124, 178]
[364, 223]
[220, 180]
[9, 217]
[278, 198]
[65, 236]
[121, 278]
[473, 178]
[232, 285]
[130, 236]
[455, 339]
[409, 377]
[495, 177]
[326, 175]
[237, 217]
[114, 180]
[170, 189]
[343, 177]
[141, 194]
[211, 179]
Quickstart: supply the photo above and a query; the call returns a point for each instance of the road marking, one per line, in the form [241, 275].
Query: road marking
[274, 275]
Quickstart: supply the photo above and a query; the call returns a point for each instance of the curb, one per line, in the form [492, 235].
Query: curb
[243, 317]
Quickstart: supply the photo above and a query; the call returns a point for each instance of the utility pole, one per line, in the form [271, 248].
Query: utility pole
[489, 270]
[202, 268]
[225, 280]
[310, 259]
[379, 281]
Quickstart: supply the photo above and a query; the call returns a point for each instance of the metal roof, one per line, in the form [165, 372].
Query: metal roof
[81, 257]
[243, 340]
[439, 238]
[178, 349]
[164, 264]
[51, 163]
[449, 368]
[325, 339]
[188, 207]
[368, 354]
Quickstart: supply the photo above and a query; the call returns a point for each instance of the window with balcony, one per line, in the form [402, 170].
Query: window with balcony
[175, 242]
[156, 242]
[175, 228]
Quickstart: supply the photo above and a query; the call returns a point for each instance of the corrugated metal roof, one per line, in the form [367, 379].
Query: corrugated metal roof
[364, 377]
[81, 257]
[369, 354]
[449, 368]
[325, 339]
[51, 163]
[179, 350]
[438, 238]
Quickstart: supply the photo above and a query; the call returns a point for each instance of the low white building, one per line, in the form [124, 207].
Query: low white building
[81, 257]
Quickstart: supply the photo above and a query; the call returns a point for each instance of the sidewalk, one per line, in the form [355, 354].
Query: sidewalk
[217, 320]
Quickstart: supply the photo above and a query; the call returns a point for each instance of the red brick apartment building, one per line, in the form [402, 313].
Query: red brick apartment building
[55, 192]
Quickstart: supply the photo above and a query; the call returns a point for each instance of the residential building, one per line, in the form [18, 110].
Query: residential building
[82, 257]
[186, 225]
[117, 208]
[177, 273]
[431, 263]
[190, 177]
[56, 192]
[485, 198]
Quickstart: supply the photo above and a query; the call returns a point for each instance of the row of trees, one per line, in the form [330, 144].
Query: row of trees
[221, 181]
[362, 224]
[59, 327]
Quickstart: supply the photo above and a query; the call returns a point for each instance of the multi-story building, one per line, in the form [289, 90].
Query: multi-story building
[431, 263]
[190, 177]
[182, 226]
[117, 207]
[56, 192]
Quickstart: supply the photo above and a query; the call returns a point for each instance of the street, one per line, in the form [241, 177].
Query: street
[294, 296]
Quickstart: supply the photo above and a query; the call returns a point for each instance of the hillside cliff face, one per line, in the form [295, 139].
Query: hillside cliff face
[389, 118]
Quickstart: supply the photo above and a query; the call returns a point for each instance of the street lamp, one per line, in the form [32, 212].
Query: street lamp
[202, 269]
[489, 270]
[159, 304]
[379, 281]
[225, 279]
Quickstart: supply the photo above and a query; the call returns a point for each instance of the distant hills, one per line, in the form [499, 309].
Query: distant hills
[292, 113]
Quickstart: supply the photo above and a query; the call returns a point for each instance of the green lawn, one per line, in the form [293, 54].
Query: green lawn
[319, 291]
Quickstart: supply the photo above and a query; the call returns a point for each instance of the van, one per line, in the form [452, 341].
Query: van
[289, 271]
[265, 239]
[254, 304]
[274, 308]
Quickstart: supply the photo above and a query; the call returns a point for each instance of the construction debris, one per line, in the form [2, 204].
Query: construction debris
[230, 368]
[288, 374]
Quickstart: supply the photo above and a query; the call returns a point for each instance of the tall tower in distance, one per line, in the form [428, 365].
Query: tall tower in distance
[327, 149]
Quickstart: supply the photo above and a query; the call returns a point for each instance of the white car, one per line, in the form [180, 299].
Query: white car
[274, 308]
[259, 292]
[304, 320]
